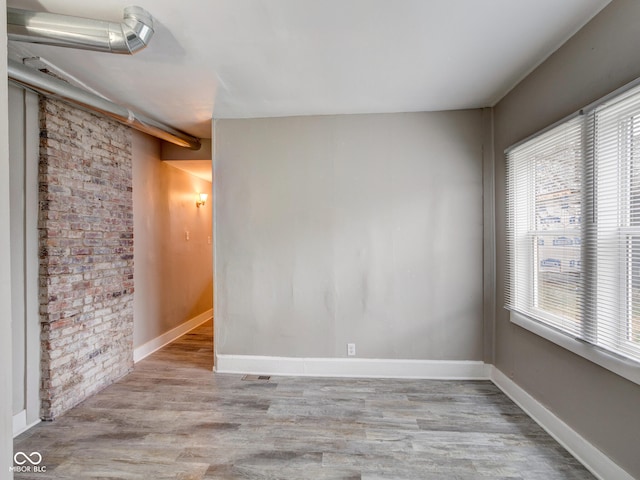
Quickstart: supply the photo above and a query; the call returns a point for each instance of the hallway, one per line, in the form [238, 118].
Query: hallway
[173, 418]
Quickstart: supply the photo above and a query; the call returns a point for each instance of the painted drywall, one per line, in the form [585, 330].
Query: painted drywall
[17, 173]
[24, 141]
[173, 276]
[598, 404]
[6, 417]
[362, 229]
[489, 236]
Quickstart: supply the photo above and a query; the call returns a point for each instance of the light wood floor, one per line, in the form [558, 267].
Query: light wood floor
[173, 418]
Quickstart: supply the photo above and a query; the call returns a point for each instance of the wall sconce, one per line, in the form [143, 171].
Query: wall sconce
[201, 199]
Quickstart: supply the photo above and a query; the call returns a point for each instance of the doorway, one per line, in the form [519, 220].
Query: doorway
[173, 247]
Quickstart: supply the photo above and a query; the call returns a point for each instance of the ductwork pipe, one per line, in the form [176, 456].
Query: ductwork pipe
[55, 88]
[128, 37]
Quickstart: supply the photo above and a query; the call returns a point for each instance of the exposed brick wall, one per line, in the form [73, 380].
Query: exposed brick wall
[86, 254]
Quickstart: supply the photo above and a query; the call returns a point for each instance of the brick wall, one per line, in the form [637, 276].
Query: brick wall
[86, 254]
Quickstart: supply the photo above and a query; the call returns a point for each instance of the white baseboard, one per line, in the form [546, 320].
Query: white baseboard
[157, 343]
[20, 423]
[593, 459]
[352, 367]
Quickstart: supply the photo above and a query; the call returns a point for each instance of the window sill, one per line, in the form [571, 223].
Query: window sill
[624, 367]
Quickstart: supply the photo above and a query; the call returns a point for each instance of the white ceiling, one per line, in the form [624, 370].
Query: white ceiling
[260, 58]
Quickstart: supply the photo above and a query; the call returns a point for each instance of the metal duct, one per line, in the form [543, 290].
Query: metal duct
[55, 88]
[128, 37]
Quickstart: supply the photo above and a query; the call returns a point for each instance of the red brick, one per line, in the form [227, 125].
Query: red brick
[86, 251]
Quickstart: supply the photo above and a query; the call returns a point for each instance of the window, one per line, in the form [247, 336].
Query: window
[573, 228]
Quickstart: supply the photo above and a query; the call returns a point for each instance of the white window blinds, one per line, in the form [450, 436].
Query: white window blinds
[573, 227]
[544, 242]
[614, 183]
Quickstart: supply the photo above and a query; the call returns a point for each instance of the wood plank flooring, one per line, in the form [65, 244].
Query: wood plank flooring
[173, 418]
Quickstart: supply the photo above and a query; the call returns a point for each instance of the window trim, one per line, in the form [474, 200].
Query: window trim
[619, 365]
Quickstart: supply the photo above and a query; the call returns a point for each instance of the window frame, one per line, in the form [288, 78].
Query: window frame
[618, 363]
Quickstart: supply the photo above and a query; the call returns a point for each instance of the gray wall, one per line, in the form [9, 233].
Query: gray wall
[353, 228]
[598, 404]
[6, 440]
[24, 141]
[173, 276]
[18, 324]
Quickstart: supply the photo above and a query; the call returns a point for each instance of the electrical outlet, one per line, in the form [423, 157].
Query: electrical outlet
[351, 349]
[186, 235]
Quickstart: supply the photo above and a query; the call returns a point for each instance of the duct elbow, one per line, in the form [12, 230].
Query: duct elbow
[128, 37]
[133, 34]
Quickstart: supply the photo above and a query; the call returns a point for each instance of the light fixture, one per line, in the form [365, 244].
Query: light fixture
[201, 199]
